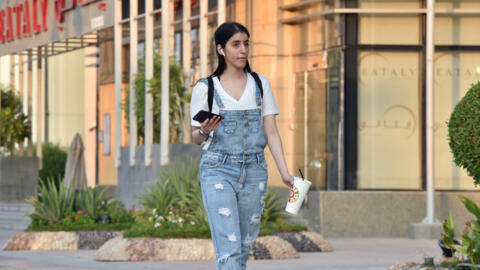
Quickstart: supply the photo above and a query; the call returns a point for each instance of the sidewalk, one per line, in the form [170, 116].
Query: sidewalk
[349, 254]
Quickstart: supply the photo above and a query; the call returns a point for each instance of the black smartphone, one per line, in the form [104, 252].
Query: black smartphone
[203, 115]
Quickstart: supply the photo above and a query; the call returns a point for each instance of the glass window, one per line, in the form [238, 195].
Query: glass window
[454, 74]
[308, 38]
[309, 125]
[458, 29]
[178, 47]
[389, 148]
[382, 29]
[405, 4]
[385, 30]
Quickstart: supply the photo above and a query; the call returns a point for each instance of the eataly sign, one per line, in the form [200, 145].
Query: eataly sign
[24, 16]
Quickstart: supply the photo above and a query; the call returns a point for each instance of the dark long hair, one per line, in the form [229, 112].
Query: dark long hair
[223, 33]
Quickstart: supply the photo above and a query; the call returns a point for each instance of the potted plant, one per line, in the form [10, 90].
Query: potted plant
[18, 174]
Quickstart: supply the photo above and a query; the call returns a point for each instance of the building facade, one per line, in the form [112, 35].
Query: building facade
[349, 77]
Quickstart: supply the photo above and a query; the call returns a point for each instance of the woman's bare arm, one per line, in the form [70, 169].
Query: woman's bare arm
[276, 148]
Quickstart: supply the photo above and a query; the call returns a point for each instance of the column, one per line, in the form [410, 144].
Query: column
[203, 38]
[39, 107]
[133, 72]
[164, 129]
[221, 13]
[187, 65]
[118, 79]
[148, 74]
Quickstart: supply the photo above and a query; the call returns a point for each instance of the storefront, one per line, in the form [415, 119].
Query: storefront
[349, 79]
[48, 53]
[380, 48]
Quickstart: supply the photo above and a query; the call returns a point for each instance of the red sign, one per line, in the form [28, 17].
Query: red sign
[27, 21]
[60, 8]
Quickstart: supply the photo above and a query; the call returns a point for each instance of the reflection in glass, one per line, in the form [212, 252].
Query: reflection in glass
[310, 126]
[454, 74]
[378, 30]
[452, 29]
[389, 149]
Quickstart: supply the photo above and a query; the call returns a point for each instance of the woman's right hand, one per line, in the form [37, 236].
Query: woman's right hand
[210, 125]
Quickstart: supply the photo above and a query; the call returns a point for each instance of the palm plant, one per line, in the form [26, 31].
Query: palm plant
[92, 200]
[177, 191]
[162, 197]
[273, 211]
[14, 125]
[53, 203]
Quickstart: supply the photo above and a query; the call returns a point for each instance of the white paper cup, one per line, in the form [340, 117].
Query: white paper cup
[297, 195]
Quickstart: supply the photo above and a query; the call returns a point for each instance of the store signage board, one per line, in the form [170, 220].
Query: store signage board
[26, 24]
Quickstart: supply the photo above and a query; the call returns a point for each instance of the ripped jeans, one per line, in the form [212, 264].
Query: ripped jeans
[233, 191]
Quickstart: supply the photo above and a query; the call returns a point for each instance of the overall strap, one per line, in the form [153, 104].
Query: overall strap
[211, 90]
[259, 82]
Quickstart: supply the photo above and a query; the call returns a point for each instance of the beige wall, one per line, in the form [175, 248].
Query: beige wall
[5, 69]
[89, 120]
[66, 97]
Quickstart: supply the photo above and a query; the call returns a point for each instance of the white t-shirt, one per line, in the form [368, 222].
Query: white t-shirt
[248, 100]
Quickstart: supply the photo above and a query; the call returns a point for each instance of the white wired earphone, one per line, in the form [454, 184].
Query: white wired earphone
[222, 52]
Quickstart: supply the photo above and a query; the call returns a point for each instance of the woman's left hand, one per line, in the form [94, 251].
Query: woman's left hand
[288, 180]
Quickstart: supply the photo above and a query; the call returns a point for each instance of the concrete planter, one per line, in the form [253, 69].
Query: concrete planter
[43, 241]
[18, 178]
[158, 249]
[134, 181]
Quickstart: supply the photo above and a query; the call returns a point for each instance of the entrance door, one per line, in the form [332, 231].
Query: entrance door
[310, 126]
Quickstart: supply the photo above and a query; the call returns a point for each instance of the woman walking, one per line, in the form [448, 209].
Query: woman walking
[233, 171]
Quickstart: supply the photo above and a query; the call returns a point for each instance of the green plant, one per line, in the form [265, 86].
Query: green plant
[178, 192]
[177, 98]
[119, 214]
[79, 217]
[54, 159]
[14, 125]
[53, 203]
[464, 132]
[169, 231]
[40, 226]
[92, 201]
[273, 211]
[175, 204]
[470, 244]
[448, 235]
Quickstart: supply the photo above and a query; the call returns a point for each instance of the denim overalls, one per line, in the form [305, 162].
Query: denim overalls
[233, 175]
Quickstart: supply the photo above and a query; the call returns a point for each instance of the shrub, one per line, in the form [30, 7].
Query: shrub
[58, 208]
[174, 208]
[169, 231]
[118, 214]
[53, 203]
[79, 217]
[53, 162]
[40, 226]
[14, 125]
[464, 132]
[177, 193]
